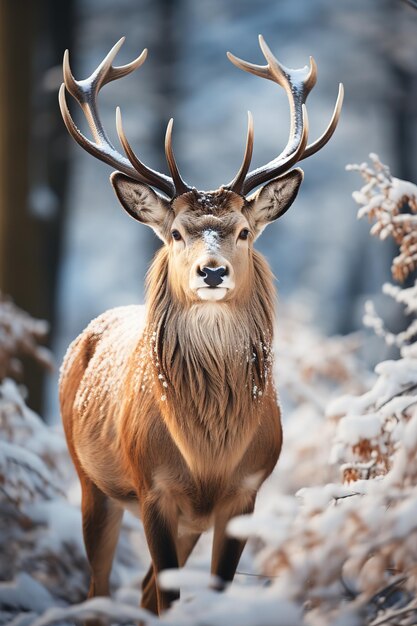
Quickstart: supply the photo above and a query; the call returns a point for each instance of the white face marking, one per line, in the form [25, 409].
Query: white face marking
[211, 294]
[211, 239]
[211, 257]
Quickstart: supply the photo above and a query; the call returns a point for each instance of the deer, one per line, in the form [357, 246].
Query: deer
[170, 409]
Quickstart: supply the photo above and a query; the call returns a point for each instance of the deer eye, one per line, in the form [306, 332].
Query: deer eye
[244, 234]
[176, 235]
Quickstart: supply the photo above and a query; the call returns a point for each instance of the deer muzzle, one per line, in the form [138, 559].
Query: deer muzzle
[211, 280]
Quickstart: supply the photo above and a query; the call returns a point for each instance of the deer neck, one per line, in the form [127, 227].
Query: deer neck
[212, 367]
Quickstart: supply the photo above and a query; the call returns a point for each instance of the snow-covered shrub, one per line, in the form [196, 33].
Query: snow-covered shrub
[310, 369]
[39, 530]
[20, 335]
[42, 557]
[371, 427]
[347, 551]
[391, 202]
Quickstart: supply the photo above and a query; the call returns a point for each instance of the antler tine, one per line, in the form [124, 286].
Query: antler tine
[150, 176]
[85, 92]
[258, 70]
[271, 169]
[92, 148]
[238, 181]
[69, 81]
[297, 84]
[103, 74]
[324, 138]
[180, 185]
[106, 72]
[280, 74]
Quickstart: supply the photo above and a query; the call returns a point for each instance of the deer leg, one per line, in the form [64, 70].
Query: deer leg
[227, 550]
[160, 537]
[149, 599]
[185, 546]
[101, 526]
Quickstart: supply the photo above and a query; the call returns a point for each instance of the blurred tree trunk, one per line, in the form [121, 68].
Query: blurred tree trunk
[403, 105]
[20, 254]
[19, 244]
[49, 137]
[165, 50]
[29, 234]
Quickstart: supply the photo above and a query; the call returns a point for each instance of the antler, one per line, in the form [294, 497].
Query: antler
[297, 83]
[85, 92]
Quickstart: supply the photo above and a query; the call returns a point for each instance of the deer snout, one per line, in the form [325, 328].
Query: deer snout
[212, 276]
[212, 279]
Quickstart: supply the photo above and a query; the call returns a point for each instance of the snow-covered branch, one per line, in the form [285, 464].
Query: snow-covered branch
[20, 335]
[391, 203]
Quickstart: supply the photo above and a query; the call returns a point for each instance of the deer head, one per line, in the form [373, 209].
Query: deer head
[209, 235]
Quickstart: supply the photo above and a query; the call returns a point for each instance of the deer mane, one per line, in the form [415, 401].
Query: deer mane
[211, 362]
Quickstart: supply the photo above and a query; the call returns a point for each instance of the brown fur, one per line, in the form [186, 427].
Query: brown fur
[175, 417]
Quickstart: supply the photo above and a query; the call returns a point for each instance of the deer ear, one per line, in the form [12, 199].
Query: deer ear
[273, 200]
[143, 204]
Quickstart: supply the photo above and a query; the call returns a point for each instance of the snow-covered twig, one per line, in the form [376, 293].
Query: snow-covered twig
[384, 198]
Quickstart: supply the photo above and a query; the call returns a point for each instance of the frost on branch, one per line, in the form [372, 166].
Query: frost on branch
[371, 426]
[391, 203]
[405, 340]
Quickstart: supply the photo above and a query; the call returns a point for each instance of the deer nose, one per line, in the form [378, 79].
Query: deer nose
[213, 276]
